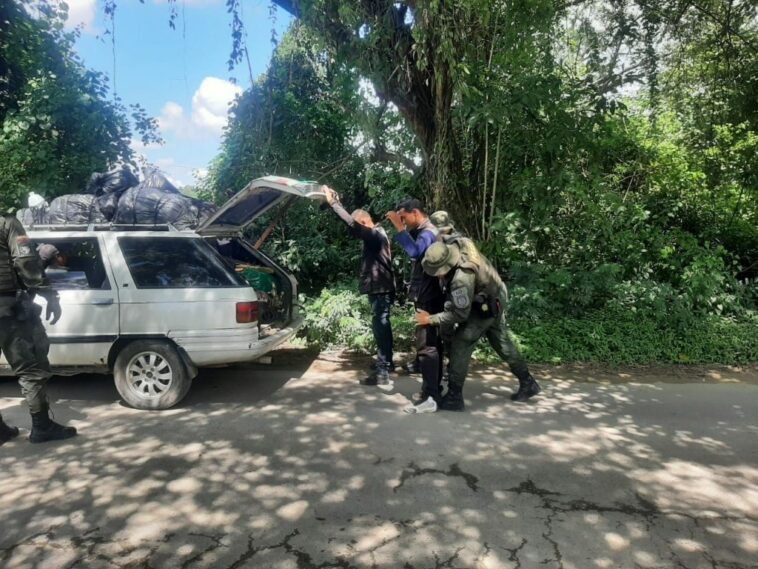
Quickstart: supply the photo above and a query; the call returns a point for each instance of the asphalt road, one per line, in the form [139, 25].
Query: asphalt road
[297, 466]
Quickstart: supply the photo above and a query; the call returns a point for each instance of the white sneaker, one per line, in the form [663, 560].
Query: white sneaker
[428, 406]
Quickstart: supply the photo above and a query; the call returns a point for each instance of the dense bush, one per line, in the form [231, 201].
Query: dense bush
[340, 317]
[618, 334]
[626, 226]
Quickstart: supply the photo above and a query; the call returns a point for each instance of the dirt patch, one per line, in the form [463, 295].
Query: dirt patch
[342, 361]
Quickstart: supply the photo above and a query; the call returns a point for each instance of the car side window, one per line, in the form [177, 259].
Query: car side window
[176, 263]
[73, 263]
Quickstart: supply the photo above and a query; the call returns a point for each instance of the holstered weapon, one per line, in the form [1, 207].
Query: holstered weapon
[486, 306]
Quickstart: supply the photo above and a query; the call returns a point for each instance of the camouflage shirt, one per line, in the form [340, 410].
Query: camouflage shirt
[473, 278]
[20, 265]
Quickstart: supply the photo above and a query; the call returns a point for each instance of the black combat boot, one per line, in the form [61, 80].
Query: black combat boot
[45, 429]
[453, 399]
[7, 432]
[526, 389]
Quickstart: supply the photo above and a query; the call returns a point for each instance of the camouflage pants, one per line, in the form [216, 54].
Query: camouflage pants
[24, 343]
[470, 332]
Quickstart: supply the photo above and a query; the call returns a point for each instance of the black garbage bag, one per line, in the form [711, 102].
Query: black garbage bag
[154, 178]
[107, 204]
[145, 205]
[202, 210]
[29, 216]
[115, 181]
[75, 209]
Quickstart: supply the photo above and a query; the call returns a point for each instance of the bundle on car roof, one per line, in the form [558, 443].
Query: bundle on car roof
[74, 208]
[156, 200]
[118, 196]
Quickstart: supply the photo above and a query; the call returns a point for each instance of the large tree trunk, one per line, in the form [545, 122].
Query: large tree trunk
[421, 89]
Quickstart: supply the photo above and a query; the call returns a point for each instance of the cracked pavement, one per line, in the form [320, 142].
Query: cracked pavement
[297, 466]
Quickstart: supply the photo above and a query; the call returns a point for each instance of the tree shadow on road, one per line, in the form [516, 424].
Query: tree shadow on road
[319, 471]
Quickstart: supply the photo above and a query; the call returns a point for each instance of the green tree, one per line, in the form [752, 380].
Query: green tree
[57, 123]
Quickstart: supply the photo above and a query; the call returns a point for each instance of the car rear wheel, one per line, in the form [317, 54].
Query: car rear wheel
[150, 374]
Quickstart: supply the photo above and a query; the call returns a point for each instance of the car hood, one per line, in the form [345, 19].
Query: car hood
[254, 200]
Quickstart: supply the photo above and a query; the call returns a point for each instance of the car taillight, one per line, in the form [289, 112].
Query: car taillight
[247, 312]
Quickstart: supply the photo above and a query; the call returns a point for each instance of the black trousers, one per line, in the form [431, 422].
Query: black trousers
[381, 326]
[429, 354]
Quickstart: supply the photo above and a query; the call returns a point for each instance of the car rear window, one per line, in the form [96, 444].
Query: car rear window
[243, 211]
[176, 263]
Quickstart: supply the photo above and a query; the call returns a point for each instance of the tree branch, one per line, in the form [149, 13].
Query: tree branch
[381, 154]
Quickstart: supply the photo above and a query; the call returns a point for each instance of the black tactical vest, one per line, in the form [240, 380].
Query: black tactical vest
[8, 280]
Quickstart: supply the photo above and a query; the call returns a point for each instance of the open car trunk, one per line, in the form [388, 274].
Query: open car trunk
[224, 230]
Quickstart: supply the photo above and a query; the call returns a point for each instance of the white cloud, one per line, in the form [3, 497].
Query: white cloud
[82, 12]
[172, 118]
[210, 110]
[210, 103]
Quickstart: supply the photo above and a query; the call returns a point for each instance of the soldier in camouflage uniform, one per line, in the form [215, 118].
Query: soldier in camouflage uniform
[22, 338]
[475, 308]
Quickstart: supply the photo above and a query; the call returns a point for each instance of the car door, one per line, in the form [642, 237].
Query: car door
[173, 283]
[89, 324]
[255, 199]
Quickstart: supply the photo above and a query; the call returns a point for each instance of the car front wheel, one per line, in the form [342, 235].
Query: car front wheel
[149, 374]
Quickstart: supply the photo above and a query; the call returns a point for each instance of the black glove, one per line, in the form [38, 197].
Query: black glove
[53, 313]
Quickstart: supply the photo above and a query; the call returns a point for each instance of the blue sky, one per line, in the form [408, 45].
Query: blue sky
[180, 76]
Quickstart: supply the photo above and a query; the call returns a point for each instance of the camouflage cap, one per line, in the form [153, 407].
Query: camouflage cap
[440, 259]
[441, 220]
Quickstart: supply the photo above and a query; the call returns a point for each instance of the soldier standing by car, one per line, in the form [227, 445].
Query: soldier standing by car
[377, 280]
[476, 302]
[416, 234]
[25, 348]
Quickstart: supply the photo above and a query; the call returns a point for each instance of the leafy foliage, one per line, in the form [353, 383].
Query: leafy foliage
[302, 119]
[601, 153]
[617, 220]
[341, 317]
[57, 123]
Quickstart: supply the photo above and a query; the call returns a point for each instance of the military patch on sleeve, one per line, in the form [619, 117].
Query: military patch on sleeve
[460, 298]
[24, 246]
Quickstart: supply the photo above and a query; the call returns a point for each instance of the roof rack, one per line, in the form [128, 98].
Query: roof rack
[103, 227]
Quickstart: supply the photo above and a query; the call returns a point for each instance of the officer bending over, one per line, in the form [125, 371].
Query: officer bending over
[22, 336]
[476, 301]
[450, 235]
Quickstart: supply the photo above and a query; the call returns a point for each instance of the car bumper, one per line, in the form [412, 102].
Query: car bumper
[235, 348]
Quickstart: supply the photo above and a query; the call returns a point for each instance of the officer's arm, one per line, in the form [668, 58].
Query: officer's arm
[25, 259]
[461, 297]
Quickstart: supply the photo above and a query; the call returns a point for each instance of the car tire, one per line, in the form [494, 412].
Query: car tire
[150, 374]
